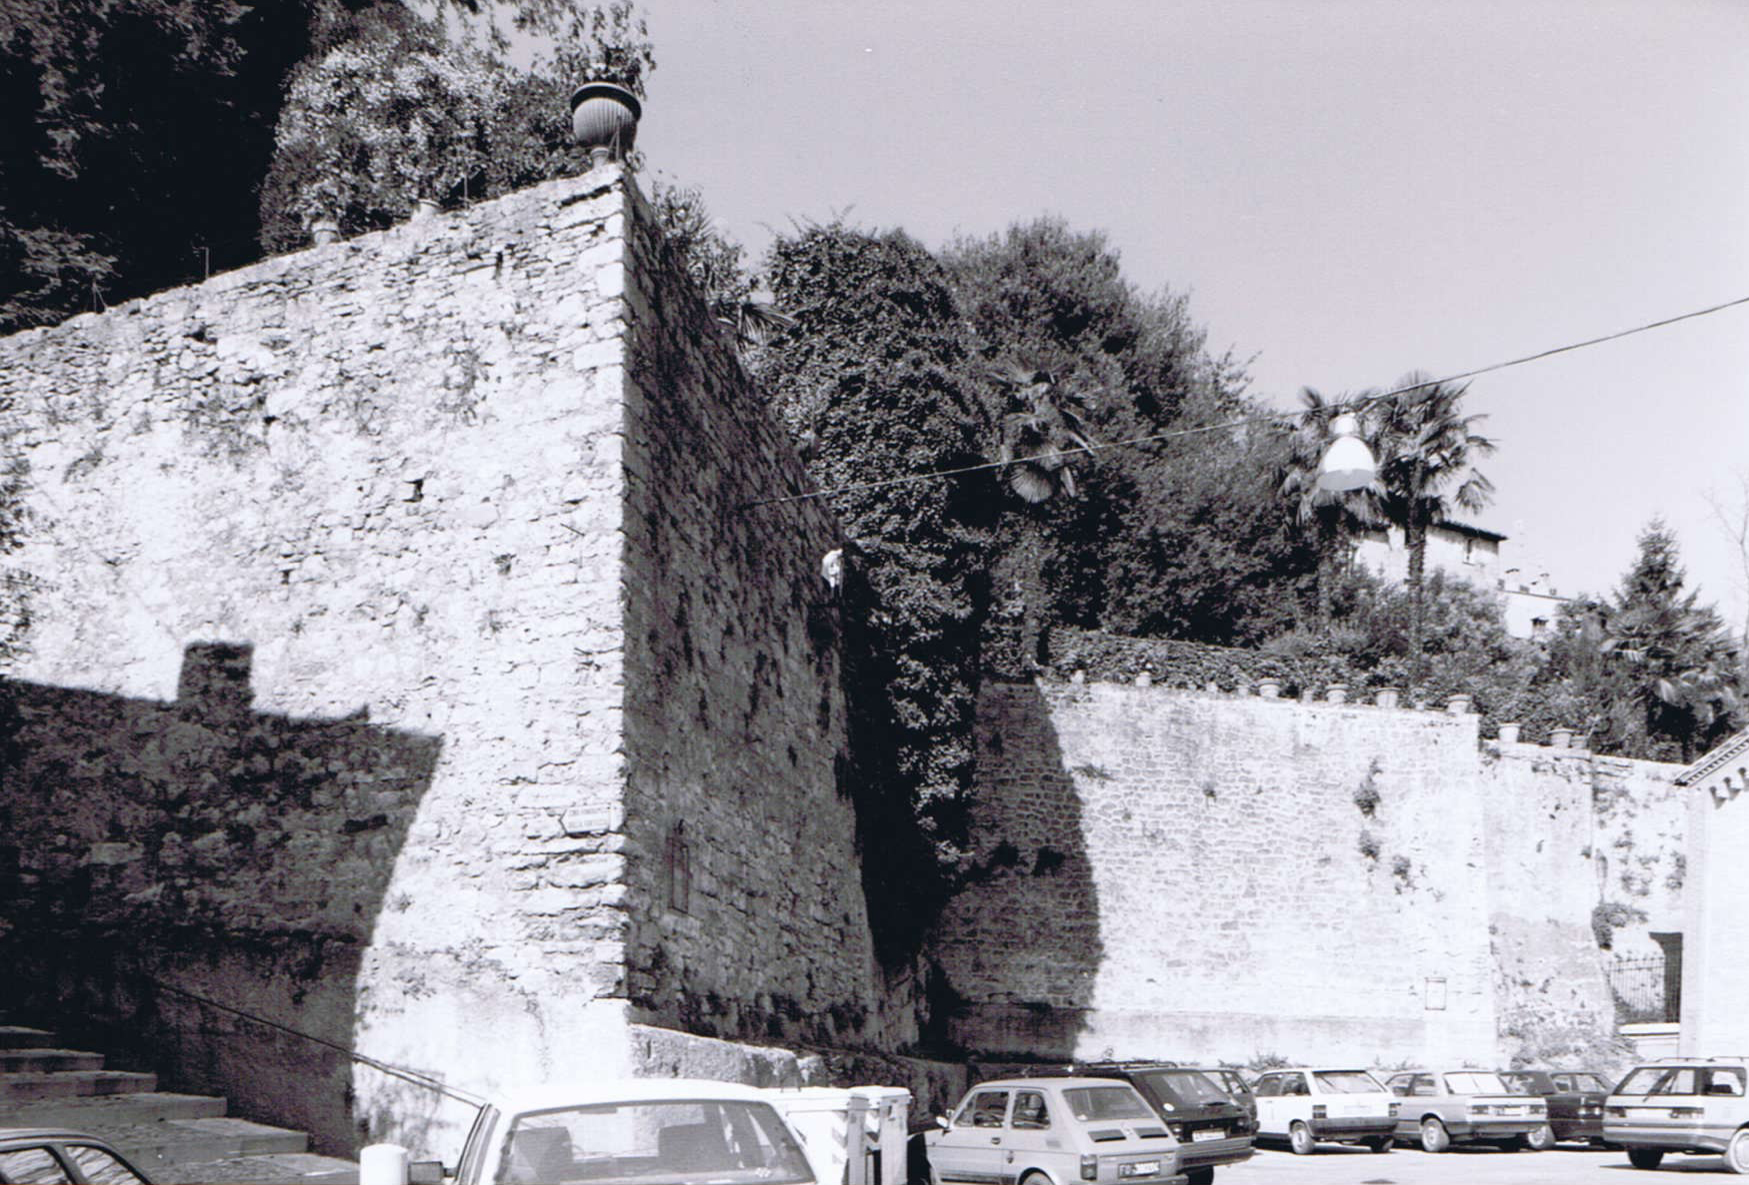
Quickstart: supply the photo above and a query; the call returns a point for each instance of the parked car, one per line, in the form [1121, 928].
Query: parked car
[1053, 1131]
[1307, 1104]
[1439, 1108]
[1215, 1122]
[1574, 1099]
[1682, 1105]
[1237, 1089]
[51, 1156]
[677, 1131]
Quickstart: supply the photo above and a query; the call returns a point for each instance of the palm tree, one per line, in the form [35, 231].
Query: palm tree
[1424, 445]
[1041, 434]
[1333, 517]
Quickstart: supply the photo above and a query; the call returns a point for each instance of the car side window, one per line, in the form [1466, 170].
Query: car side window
[32, 1166]
[100, 1168]
[1422, 1087]
[1726, 1082]
[987, 1109]
[1294, 1084]
[1563, 1082]
[1676, 1082]
[1267, 1086]
[1030, 1113]
[1398, 1084]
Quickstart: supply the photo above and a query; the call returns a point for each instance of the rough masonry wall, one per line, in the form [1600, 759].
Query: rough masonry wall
[743, 875]
[1192, 876]
[320, 716]
[1572, 840]
[1234, 877]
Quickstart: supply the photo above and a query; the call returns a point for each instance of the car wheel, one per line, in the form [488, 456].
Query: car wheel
[1737, 1152]
[1380, 1143]
[1299, 1138]
[1645, 1158]
[1434, 1137]
[1035, 1179]
[1540, 1140]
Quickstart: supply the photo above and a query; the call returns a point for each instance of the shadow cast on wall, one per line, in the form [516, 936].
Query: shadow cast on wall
[151, 849]
[1021, 944]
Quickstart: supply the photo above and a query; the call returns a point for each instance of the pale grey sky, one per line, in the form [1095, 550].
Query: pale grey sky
[1349, 189]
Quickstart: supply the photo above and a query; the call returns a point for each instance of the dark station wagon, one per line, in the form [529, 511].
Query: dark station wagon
[1215, 1120]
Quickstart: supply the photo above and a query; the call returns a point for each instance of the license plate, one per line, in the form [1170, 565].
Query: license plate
[1142, 1168]
[1208, 1133]
[1512, 1110]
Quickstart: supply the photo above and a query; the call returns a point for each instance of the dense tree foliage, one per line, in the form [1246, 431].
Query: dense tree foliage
[140, 133]
[1133, 547]
[1648, 673]
[868, 374]
[136, 134]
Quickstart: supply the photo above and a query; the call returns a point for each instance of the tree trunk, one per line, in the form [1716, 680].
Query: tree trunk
[1415, 539]
[1031, 574]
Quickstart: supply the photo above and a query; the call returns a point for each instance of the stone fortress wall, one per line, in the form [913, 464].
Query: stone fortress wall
[410, 665]
[404, 669]
[1208, 876]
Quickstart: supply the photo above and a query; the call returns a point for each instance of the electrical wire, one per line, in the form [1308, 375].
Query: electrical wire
[1268, 418]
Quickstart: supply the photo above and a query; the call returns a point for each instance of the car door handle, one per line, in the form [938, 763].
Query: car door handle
[995, 1139]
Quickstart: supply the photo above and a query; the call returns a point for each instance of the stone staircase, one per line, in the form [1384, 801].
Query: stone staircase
[172, 1138]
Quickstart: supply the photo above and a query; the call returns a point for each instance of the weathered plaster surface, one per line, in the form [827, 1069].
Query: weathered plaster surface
[1169, 873]
[378, 589]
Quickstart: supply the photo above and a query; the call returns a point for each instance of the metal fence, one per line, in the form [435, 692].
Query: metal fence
[1644, 990]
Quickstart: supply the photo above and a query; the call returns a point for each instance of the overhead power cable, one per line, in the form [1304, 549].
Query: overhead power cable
[1267, 418]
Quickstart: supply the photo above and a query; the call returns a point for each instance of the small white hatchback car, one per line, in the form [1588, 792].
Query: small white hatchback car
[1053, 1131]
[1306, 1105]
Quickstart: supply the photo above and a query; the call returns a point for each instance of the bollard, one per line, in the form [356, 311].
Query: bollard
[382, 1164]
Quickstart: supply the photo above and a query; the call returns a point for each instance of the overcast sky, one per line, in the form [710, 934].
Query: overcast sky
[1348, 189]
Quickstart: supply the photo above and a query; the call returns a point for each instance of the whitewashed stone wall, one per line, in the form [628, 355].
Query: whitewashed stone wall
[377, 590]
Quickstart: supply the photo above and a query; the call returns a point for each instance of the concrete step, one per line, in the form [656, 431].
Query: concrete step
[172, 1143]
[25, 1037]
[284, 1169]
[110, 1111]
[19, 1088]
[47, 1061]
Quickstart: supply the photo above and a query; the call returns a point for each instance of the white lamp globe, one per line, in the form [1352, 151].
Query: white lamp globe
[1347, 464]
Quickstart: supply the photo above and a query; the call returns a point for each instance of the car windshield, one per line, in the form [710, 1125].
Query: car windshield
[1236, 1086]
[1590, 1082]
[1106, 1102]
[676, 1142]
[1184, 1087]
[1475, 1082]
[1347, 1082]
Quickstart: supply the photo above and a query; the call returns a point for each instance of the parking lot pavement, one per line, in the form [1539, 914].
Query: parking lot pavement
[1336, 1165]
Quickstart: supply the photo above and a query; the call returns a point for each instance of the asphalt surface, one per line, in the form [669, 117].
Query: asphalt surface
[1334, 1164]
